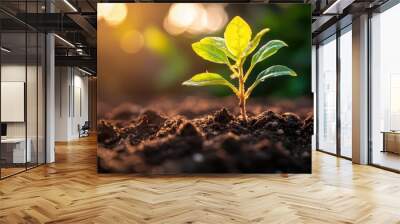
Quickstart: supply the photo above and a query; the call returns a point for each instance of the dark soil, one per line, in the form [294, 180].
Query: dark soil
[219, 142]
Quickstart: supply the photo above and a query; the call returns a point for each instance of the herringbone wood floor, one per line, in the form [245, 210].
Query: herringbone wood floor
[70, 191]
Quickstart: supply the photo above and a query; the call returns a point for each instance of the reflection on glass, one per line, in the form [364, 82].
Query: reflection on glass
[15, 151]
[346, 93]
[385, 84]
[31, 101]
[327, 96]
[41, 99]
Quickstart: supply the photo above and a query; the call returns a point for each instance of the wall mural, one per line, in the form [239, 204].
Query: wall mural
[204, 88]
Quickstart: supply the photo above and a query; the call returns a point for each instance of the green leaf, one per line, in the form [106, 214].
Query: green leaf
[237, 36]
[209, 79]
[256, 40]
[267, 51]
[275, 71]
[218, 42]
[210, 52]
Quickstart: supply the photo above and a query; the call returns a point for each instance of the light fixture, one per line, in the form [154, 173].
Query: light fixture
[5, 50]
[331, 7]
[70, 5]
[337, 7]
[64, 40]
[84, 71]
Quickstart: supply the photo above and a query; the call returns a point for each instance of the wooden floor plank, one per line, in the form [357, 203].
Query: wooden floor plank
[71, 191]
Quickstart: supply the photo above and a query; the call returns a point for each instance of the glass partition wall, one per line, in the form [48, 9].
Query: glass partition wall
[13, 111]
[345, 92]
[334, 94]
[385, 89]
[334, 105]
[22, 98]
[327, 95]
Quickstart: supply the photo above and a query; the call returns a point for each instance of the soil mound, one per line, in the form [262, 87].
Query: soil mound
[215, 143]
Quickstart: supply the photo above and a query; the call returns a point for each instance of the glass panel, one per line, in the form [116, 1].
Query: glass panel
[313, 88]
[385, 84]
[13, 91]
[346, 93]
[32, 95]
[41, 98]
[22, 89]
[327, 96]
[32, 87]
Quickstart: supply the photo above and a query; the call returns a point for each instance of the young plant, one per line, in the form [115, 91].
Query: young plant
[233, 50]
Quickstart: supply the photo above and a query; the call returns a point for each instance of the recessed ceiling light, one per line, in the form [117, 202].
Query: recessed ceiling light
[337, 7]
[64, 40]
[84, 71]
[70, 5]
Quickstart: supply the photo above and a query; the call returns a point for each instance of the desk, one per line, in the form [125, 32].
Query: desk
[16, 147]
[391, 141]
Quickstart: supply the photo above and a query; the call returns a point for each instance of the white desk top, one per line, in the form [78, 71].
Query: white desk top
[13, 140]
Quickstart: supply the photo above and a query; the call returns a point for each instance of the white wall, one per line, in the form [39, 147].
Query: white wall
[12, 73]
[62, 81]
[71, 94]
[33, 127]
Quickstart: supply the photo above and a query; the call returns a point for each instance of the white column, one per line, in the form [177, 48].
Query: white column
[62, 103]
[50, 98]
[360, 90]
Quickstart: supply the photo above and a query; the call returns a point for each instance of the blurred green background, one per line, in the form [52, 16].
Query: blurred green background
[144, 50]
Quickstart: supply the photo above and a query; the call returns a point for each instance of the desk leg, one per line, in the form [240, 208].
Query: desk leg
[384, 142]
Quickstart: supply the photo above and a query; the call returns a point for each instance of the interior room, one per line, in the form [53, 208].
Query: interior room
[88, 135]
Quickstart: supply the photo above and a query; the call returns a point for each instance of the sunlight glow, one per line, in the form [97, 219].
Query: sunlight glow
[114, 14]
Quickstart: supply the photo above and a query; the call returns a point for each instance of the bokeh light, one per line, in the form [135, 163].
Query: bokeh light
[114, 14]
[172, 29]
[200, 23]
[183, 14]
[195, 18]
[217, 17]
[156, 40]
[132, 41]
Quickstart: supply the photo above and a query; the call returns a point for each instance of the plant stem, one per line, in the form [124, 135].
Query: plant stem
[248, 72]
[242, 97]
